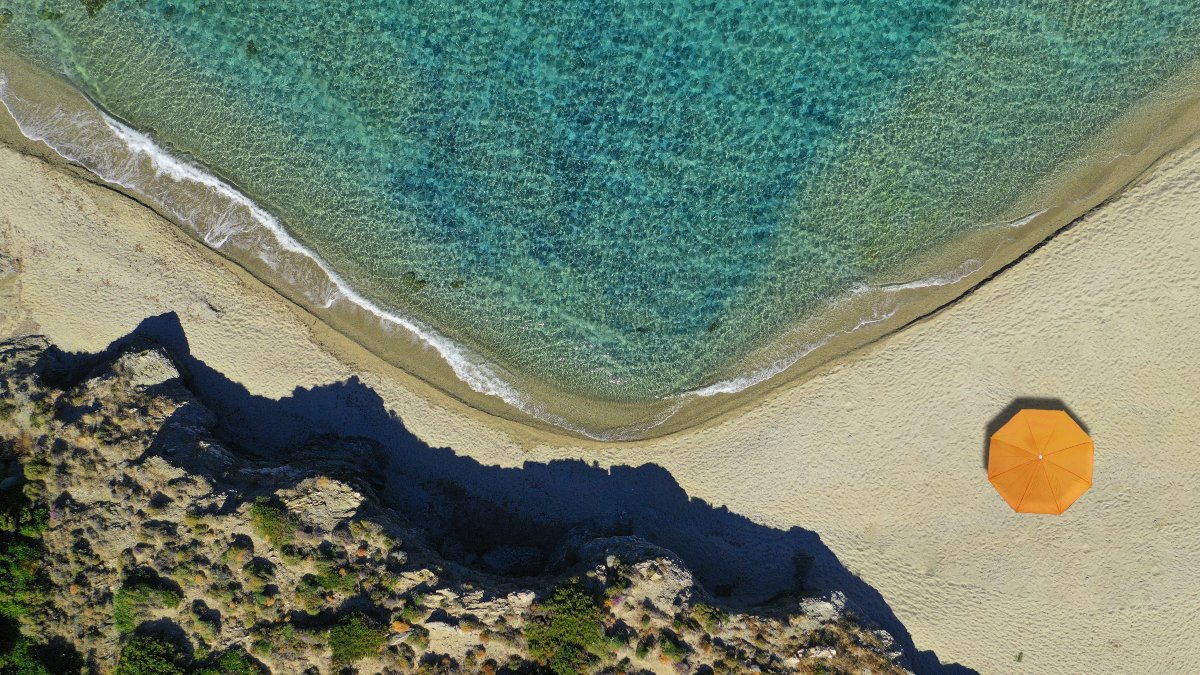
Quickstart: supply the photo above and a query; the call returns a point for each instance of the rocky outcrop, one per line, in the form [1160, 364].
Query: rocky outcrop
[153, 526]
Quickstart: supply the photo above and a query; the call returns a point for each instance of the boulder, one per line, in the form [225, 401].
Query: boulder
[322, 502]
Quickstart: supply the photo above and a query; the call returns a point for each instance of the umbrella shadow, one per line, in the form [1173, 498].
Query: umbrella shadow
[1016, 406]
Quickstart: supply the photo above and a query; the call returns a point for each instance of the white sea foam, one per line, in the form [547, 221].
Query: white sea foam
[1025, 220]
[954, 276]
[236, 218]
[78, 140]
[222, 216]
[747, 380]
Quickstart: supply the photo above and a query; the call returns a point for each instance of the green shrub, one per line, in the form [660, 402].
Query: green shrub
[568, 631]
[134, 597]
[258, 574]
[313, 587]
[149, 656]
[233, 662]
[26, 657]
[672, 649]
[708, 616]
[22, 659]
[330, 577]
[43, 411]
[412, 611]
[272, 638]
[21, 583]
[272, 523]
[643, 649]
[356, 637]
[37, 468]
[32, 522]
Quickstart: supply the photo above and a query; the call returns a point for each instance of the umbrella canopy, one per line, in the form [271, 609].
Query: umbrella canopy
[1040, 461]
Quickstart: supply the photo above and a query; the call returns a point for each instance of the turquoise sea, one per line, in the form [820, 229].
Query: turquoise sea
[622, 198]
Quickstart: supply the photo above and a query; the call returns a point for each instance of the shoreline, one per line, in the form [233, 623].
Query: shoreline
[849, 323]
[1102, 316]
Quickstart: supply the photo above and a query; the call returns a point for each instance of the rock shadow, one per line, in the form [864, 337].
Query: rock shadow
[1016, 406]
[536, 514]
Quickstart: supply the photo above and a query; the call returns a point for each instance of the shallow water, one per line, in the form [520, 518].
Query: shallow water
[623, 199]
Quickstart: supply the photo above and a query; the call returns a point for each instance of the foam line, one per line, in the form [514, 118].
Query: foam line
[242, 222]
[1026, 219]
[218, 232]
[954, 276]
[742, 382]
[479, 376]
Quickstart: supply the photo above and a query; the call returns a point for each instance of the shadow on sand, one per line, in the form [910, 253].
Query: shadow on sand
[515, 520]
[1013, 408]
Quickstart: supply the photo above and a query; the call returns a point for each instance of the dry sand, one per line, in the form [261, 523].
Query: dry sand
[880, 453]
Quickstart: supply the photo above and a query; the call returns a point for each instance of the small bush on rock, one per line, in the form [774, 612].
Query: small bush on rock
[272, 523]
[26, 657]
[355, 638]
[672, 650]
[149, 656]
[233, 662]
[568, 632]
[131, 599]
[708, 616]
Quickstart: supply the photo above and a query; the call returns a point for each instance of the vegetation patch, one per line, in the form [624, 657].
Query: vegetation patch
[672, 649]
[412, 612]
[568, 632]
[21, 581]
[233, 662]
[37, 468]
[708, 616]
[313, 588]
[272, 523]
[136, 596]
[355, 638]
[28, 657]
[24, 589]
[23, 584]
[149, 656]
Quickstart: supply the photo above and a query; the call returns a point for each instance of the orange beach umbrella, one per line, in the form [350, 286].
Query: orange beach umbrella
[1040, 461]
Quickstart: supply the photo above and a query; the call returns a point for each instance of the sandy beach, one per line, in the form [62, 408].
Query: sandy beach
[879, 453]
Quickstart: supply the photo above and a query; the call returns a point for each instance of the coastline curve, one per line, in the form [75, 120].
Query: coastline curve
[215, 212]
